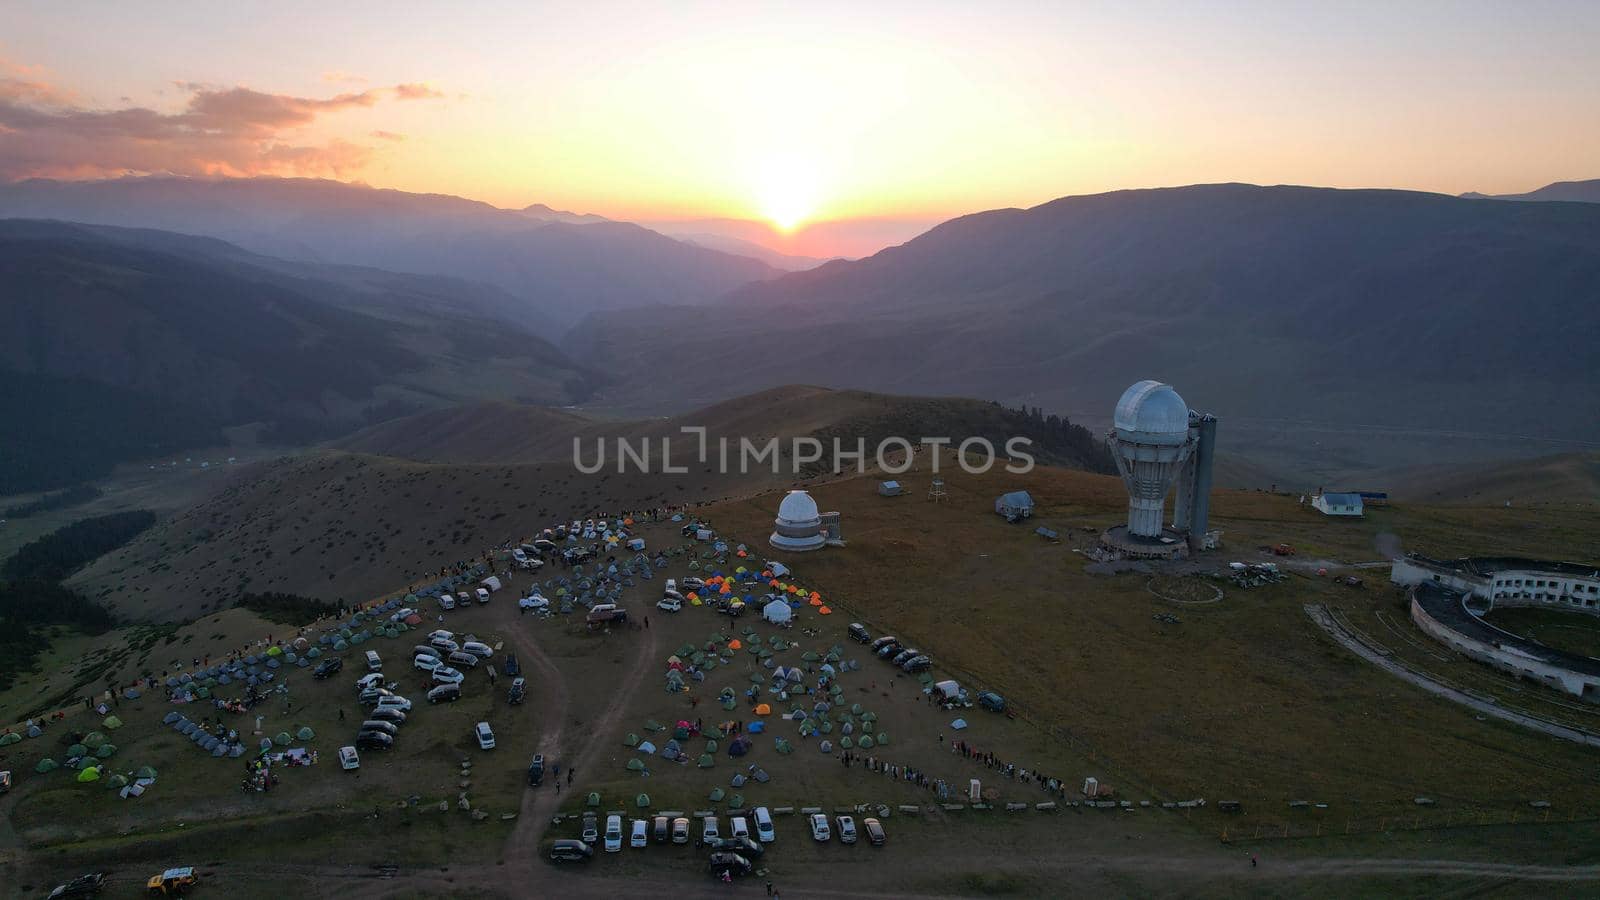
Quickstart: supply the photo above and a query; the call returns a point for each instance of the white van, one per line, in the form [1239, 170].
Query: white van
[764, 830]
[447, 601]
[740, 827]
[483, 595]
[374, 661]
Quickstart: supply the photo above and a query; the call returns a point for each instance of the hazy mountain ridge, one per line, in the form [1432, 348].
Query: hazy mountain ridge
[1570, 191]
[236, 338]
[1290, 302]
[562, 265]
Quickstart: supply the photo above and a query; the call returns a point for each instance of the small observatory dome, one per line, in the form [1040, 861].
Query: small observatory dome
[1151, 413]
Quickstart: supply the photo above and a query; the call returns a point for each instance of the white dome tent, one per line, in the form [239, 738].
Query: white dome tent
[798, 526]
[777, 612]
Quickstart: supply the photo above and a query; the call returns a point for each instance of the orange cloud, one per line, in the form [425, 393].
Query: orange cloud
[220, 131]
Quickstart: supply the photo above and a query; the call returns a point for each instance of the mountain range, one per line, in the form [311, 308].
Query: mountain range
[560, 265]
[208, 333]
[1273, 304]
[1571, 191]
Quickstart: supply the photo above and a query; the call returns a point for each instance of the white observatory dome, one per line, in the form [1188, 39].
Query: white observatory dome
[798, 508]
[1151, 413]
[799, 525]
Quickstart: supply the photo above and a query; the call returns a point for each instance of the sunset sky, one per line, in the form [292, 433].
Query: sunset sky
[811, 111]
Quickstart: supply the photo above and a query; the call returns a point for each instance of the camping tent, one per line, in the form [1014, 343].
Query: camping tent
[889, 488]
[777, 612]
[1014, 506]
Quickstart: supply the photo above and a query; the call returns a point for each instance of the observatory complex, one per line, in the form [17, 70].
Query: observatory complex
[1159, 442]
[799, 527]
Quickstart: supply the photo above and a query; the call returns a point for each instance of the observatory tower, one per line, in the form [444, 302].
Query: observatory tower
[1159, 442]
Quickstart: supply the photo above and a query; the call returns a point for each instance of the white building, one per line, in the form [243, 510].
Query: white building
[798, 527]
[1338, 504]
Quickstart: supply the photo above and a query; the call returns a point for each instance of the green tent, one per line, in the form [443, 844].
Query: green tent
[77, 750]
[636, 764]
[632, 740]
[282, 739]
[594, 799]
[46, 765]
[729, 703]
[112, 723]
[9, 738]
[117, 781]
[680, 733]
[706, 761]
[274, 651]
[88, 775]
[313, 653]
[865, 743]
[341, 645]
[104, 751]
[711, 745]
[93, 739]
[883, 738]
[845, 743]
[736, 801]
[305, 733]
[642, 801]
[203, 692]
[145, 772]
[855, 708]
[810, 656]
[826, 727]
[784, 746]
[716, 795]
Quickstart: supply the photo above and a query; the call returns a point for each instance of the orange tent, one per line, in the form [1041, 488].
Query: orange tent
[825, 611]
[735, 644]
[815, 601]
[741, 554]
[763, 709]
[693, 596]
[815, 595]
[726, 589]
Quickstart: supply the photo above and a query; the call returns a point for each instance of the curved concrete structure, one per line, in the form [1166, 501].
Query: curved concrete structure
[1443, 614]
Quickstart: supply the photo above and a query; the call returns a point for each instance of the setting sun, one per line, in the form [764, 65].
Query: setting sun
[786, 191]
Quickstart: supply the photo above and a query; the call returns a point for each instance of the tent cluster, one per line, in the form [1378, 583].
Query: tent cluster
[227, 743]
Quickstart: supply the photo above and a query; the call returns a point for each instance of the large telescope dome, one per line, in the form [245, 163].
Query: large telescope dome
[1151, 413]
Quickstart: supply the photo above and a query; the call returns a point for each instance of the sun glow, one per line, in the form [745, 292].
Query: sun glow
[786, 191]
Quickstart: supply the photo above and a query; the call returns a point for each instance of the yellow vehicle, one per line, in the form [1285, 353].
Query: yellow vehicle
[173, 881]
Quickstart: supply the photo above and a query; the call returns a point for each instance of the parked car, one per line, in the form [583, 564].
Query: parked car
[883, 642]
[374, 661]
[764, 830]
[858, 633]
[444, 693]
[819, 828]
[394, 716]
[889, 649]
[512, 667]
[693, 583]
[447, 675]
[669, 604]
[591, 828]
[394, 701]
[569, 850]
[874, 829]
[374, 740]
[739, 826]
[327, 667]
[661, 829]
[741, 845]
[536, 770]
[483, 595]
[680, 830]
[82, 886]
[709, 830]
[902, 656]
[730, 864]
[518, 691]
[638, 837]
[917, 663]
[445, 644]
[991, 701]
[172, 881]
[671, 586]
[372, 680]
[446, 601]
[442, 633]
[613, 842]
[847, 829]
[463, 659]
[478, 649]
[427, 663]
[371, 696]
[389, 728]
[425, 650]
[485, 736]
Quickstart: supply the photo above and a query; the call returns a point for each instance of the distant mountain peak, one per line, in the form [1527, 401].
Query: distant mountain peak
[545, 213]
[1569, 191]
